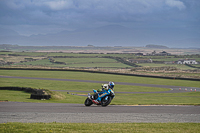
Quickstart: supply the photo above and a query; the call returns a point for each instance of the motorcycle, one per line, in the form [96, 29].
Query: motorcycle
[102, 98]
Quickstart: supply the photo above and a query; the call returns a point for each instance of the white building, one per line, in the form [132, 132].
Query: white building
[187, 61]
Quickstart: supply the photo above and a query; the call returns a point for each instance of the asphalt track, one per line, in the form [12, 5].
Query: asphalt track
[78, 113]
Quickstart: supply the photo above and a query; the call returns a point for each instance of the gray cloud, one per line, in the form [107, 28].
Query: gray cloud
[55, 11]
[48, 16]
[176, 3]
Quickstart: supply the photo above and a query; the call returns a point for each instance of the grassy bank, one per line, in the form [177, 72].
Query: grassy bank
[189, 98]
[19, 96]
[98, 77]
[99, 127]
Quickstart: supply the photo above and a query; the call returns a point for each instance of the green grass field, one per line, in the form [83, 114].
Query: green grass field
[190, 98]
[82, 60]
[91, 62]
[75, 62]
[98, 77]
[85, 60]
[44, 62]
[99, 127]
[179, 66]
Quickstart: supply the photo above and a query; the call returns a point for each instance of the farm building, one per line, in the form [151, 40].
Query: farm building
[187, 61]
[139, 54]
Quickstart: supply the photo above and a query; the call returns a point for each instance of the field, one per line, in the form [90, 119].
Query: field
[117, 62]
[100, 127]
[93, 49]
[100, 61]
[190, 98]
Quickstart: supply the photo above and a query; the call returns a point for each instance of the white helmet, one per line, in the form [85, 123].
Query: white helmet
[111, 84]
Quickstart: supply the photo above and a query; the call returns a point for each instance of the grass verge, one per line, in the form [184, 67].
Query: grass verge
[98, 77]
[190, 98]
[20, 96]
[100, 127]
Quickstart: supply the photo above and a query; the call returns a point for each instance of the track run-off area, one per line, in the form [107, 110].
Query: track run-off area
[174, 89]
[78, 113]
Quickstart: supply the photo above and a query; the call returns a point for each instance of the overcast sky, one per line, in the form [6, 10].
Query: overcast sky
[29, 17]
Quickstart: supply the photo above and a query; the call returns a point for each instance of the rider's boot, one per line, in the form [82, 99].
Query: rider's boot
[89, 96]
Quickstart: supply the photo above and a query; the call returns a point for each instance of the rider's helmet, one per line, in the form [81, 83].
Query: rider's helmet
[111, 84]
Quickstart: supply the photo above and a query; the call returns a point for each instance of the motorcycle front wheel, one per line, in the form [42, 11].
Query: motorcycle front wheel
[105, 102]
[88, 102]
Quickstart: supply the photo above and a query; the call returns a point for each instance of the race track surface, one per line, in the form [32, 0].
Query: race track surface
[78, 113]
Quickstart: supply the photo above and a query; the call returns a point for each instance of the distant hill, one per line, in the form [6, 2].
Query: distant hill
[110, 35]
[156, 46]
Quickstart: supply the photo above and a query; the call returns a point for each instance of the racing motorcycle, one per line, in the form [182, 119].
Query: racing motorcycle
[102, 98]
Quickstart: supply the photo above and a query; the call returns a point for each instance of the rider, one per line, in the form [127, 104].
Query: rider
[110, 85]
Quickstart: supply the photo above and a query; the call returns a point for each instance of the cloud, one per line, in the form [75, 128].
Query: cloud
[175, 3]
[73, 14]
[59, 5]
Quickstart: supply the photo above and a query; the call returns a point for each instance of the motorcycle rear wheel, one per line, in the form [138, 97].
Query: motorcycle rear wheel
[105, 102]
[88, 102]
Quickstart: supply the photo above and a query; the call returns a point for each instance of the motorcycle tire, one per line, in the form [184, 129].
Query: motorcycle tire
[104, 102]
[88, 102]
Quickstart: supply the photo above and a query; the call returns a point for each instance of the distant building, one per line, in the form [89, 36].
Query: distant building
[139, 54]
[163, 53]
[187, 61]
